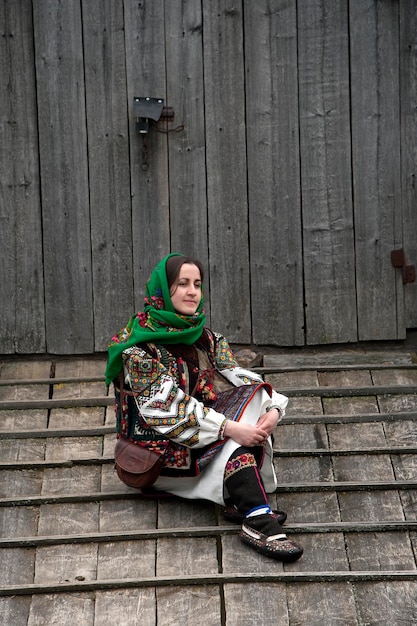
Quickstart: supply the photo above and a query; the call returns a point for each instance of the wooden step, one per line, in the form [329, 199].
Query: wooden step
[213, 579]
[346, 459]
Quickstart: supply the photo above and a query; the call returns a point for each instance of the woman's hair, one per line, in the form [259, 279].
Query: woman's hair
[174, 264]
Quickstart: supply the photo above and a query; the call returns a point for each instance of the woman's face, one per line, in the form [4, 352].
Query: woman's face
[186, 290]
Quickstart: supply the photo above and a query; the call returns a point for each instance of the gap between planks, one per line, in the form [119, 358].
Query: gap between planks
[213, 579]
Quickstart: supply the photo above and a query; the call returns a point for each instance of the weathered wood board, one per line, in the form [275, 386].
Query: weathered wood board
[326, 186]
[23, 420]
[248, 607]
[19, 521]
[370, 506]
[288, 380]
[86, 417]
[375, 601]
[133, 607]
[16, 566]
[318, 357]
[308, 507]
[308, 436]
[22, 306]
[274, 172]
[295, 469]
[64, 177]
[77, 479]
[66, 563]
[376, 167]
[15, 483]
[126, 515]
[65, 448]
[227, 201]
[388, 551]
[311, 603]
[62, 609]
[173, 602]
[69, 518]
[108, 157]
[15, 610]
[342, 435]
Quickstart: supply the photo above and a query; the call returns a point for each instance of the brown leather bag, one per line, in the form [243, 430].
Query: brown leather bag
[136, 466]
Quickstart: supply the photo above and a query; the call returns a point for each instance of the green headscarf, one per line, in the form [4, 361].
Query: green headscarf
[158, 323]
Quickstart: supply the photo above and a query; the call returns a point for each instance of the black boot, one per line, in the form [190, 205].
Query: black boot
[243, 481]
[260, 528]
[246, 489]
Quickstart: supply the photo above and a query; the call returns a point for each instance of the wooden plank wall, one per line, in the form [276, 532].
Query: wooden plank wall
[289, 168]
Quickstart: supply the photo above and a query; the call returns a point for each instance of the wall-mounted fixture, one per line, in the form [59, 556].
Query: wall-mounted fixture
[148, 110]
[408, 271]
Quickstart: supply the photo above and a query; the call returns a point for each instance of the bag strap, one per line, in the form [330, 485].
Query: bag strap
[121, 386]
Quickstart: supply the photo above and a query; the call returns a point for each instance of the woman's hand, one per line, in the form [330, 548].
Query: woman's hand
[246, 434]
[269, 420]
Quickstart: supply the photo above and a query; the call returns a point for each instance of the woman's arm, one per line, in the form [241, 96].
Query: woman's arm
[164, 407]
[231, 370]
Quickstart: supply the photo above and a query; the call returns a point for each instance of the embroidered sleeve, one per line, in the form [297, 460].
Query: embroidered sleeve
[239, 376]
[164, 407]
[229, 367]
[223, 353]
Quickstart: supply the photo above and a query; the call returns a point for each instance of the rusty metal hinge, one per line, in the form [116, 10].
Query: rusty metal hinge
[408, 271]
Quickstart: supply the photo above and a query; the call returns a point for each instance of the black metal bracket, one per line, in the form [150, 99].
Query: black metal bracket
[148, 109]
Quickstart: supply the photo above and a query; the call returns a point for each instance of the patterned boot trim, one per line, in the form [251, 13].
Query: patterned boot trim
[238, 463]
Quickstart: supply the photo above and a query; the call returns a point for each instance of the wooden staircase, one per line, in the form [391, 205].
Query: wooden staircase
[79, 547]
